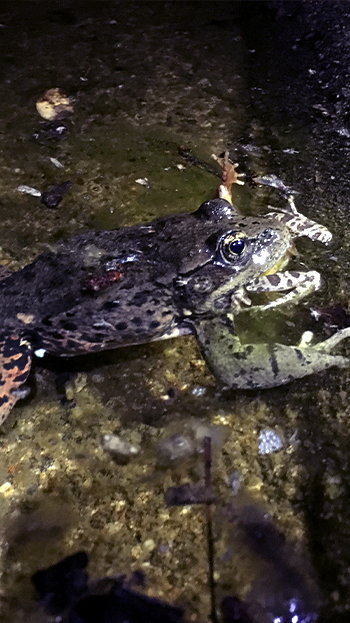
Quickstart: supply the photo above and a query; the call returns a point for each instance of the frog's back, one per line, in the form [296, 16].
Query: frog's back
[109, 288]
[84, 298]
[106, 289]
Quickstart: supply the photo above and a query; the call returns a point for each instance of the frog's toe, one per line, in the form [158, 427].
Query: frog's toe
[327, 345]
[336, 360]
[15, 362]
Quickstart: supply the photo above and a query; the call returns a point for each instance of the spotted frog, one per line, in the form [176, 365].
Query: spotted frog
[188, 273]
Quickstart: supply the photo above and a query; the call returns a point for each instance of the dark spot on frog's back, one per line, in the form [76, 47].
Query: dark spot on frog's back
[121, 326]
[154, 324]
[136, 321]
[110, 305]
[140, 298]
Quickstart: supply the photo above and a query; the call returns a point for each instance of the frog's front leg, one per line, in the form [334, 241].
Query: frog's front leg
[258, 366]
[297, 286]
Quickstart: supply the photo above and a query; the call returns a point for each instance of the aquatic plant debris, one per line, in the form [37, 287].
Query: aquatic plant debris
[54, 105]
[29, 190]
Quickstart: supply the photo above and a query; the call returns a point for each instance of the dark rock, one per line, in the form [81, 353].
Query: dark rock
[59, 585]
[54, 196]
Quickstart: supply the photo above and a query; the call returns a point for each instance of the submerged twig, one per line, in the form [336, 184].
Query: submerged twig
[209, 526]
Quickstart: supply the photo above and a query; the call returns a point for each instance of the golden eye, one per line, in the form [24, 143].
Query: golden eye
[236, 246]
[232, 246]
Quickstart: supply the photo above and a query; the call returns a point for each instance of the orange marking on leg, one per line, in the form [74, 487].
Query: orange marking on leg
[12, 378]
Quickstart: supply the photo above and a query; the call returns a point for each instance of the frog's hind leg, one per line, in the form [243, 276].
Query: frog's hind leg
[15, 363]
[261, 365]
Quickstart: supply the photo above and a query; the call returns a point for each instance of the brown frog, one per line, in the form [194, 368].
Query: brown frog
[188, 273]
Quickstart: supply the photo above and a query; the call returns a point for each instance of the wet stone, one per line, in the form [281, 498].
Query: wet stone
[175, 448]
[121, 450]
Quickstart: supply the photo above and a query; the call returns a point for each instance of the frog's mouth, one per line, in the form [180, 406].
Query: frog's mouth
[282, 262]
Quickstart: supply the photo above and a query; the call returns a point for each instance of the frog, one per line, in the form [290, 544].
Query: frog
[188, 273]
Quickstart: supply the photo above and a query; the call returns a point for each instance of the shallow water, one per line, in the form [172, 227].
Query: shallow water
[268, 81]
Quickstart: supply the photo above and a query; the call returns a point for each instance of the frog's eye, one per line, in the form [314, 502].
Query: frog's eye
[236, 246]
[232, 245]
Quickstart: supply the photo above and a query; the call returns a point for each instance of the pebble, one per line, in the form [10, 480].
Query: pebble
[7, 489]
[269, 441]
[119, 448]
[175, 448]
[198, 390]
[143, 181]
[233, 481]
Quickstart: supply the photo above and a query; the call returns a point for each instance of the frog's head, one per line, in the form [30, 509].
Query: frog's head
[239, 249]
